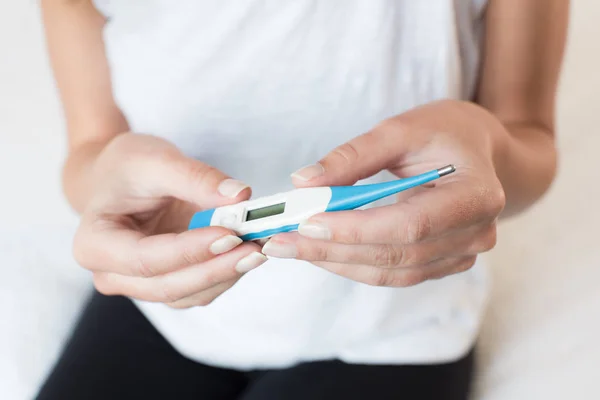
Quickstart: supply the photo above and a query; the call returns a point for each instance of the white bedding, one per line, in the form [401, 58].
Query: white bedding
[40, 294]
[539, 341]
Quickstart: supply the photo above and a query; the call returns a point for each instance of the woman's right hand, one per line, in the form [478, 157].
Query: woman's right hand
[133, 233]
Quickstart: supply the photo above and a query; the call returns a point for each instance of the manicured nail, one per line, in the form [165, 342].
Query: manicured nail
[250, 262]
[231, 187]
[309, 172]
[314, 231]
[224, 244]
[280, 250]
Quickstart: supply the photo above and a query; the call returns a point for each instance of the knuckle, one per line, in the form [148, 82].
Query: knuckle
[380, 256]
[391, 126]
[204, 301]
[378, 277]
[398, 278]
[168, 293]
[494, 201]
[347, 152]
[465, 264]
[388, 256]
[102, 284]
[137, 158]
[311, 251]
[127, 141]
[80, 249]
[200, 173]
[190, 257]
[416, 229]
[212, 278]
[319, 253]
[141, 265]
[351, 235]
[199, 300]
[410, 277]
[179, 305]
[489, 239]
[142, 268]
[85, 249]
[485, 240]
[355, 235]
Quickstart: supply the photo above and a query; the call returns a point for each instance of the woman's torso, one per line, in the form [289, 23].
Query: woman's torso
[260, 88]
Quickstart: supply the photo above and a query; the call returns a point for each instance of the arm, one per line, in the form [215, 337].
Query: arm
[74, 40]
[136, 192]
[502, 145]
[524, 48]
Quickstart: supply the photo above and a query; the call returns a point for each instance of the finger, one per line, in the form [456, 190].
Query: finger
[204, 297]
[445, 267]
[198, 183]
[471, 241]
[186, 282]
[159, 171]
[374, 276]
[450, 206]
[400, 277]
[110, 246]
[357, 159]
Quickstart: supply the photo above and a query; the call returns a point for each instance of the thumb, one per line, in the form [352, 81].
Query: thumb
[198, 183]
[360, 158]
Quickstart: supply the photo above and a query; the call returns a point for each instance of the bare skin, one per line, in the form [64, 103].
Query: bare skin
[136, 192]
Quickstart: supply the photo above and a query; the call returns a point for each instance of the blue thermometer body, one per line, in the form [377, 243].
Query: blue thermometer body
[267, 216]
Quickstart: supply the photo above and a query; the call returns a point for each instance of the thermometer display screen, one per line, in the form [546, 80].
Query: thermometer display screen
[264, 212]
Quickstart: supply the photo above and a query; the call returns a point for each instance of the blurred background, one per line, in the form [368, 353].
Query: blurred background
[540, 337]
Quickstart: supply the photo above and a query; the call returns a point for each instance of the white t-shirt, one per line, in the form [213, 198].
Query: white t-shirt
[260, 88]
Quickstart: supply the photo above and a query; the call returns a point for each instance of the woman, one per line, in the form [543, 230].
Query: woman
[173, 107]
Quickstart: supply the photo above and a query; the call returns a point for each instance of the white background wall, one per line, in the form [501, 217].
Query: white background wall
[540, 337]
[31, 129]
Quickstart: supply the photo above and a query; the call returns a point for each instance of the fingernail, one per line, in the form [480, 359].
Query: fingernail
[280, 250]
[224, 244]
[314, 231]
[231, 187]
[250, 262]
[309, 172]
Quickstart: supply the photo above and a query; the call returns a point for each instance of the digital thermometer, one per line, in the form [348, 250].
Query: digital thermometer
[266, 216]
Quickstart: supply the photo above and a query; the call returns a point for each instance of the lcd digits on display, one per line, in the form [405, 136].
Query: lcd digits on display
[264, 212]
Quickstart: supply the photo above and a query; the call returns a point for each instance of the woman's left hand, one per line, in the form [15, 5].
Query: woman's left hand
[432, 231]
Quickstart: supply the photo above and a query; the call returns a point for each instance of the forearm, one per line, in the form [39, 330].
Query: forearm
[76, 51]
[524, 46]
[525, 163]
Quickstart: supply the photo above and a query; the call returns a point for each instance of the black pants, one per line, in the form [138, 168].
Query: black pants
[115, 353]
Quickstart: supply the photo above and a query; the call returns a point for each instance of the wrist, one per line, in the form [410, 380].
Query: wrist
[500, 143]
[78, 179]
[524, 160]
[497, 136]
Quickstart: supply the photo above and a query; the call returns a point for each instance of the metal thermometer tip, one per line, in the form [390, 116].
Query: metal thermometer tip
[448, 169]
